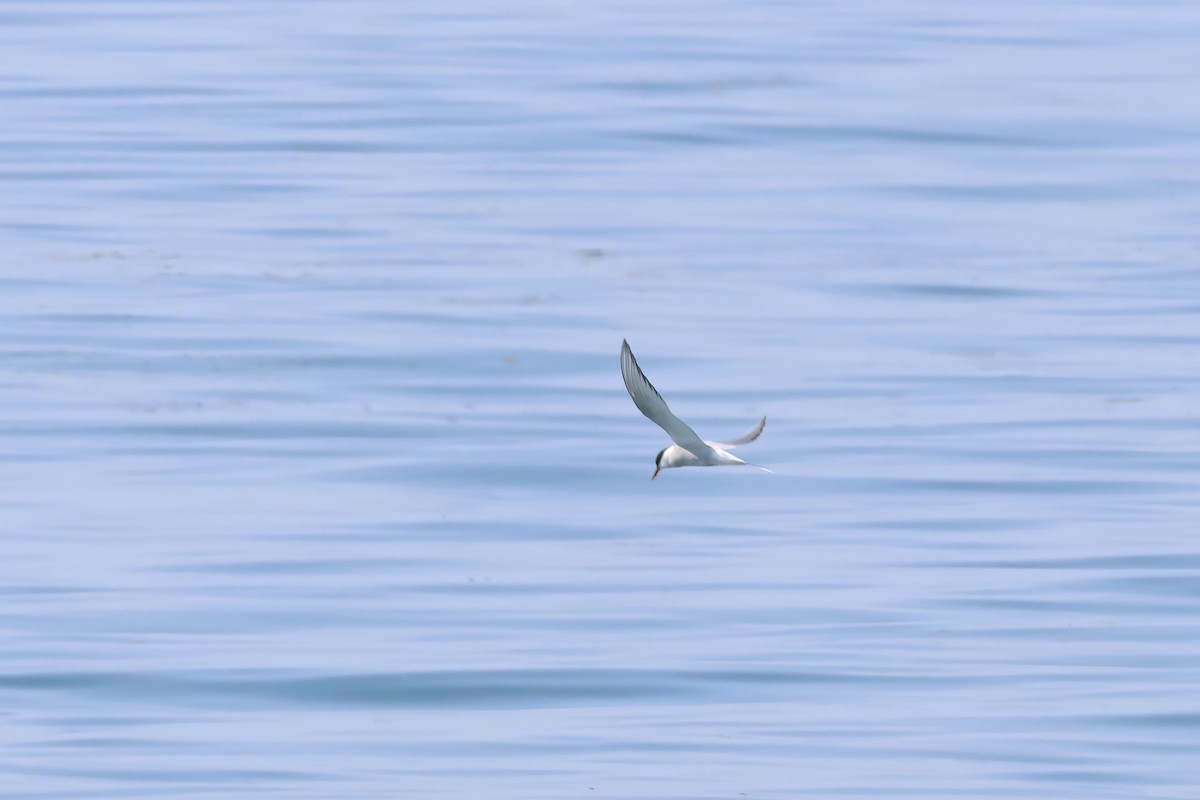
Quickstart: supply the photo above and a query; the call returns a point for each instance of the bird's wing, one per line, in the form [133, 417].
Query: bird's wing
[747, 439]
[650, 403]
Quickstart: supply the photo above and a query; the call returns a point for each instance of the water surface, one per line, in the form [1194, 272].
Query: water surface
[320, 480]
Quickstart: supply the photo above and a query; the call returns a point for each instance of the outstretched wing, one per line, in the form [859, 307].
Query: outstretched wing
[650, 403]
[747, 439]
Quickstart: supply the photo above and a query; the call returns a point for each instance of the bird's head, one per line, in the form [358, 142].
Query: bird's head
[658, 465]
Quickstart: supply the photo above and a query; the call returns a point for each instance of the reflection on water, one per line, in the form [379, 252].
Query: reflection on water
[321, 479]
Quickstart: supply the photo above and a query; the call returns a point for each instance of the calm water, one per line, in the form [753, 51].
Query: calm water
[319, 479]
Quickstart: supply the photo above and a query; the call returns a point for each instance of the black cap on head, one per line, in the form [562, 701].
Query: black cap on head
[658, 458]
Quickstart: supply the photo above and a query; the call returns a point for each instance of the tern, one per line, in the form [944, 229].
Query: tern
[689, 449]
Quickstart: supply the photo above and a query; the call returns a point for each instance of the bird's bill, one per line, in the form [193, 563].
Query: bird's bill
[656, 471]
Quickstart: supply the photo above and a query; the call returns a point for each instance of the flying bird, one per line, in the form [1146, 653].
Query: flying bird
[689, 449]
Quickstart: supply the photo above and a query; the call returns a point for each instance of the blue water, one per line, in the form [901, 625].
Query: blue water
[319, 479]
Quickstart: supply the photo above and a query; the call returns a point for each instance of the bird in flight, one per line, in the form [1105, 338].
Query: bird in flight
[689, 449]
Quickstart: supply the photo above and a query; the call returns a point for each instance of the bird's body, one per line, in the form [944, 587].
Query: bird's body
[688, 450]
[712, 456]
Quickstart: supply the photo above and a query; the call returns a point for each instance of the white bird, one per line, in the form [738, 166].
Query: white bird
[689, 449]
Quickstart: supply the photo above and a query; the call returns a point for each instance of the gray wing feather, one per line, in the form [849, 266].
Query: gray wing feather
[747, 439]
[650, 403]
